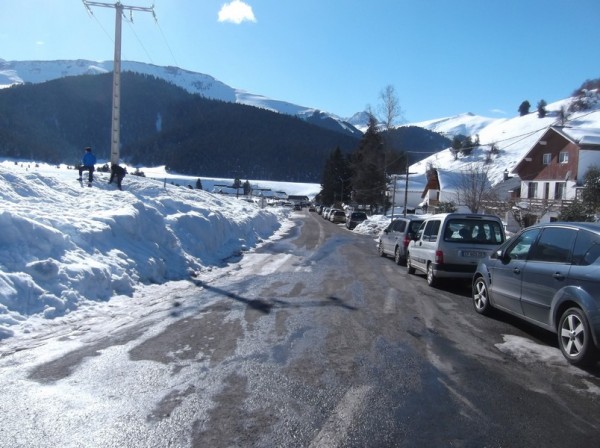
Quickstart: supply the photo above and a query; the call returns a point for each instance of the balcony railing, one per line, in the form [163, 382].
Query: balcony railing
[549, 204]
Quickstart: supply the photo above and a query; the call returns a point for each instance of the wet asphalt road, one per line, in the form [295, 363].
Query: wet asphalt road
[322, 343]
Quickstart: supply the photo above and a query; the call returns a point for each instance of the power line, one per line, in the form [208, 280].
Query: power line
[166, 42]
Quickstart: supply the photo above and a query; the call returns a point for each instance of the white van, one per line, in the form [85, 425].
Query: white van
[450, 245]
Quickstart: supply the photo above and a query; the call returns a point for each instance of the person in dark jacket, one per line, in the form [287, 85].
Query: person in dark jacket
[117, 173]
[87, 164]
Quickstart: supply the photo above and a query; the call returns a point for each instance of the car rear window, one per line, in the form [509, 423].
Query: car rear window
[481, 231]
[414, 226]
[399, 225]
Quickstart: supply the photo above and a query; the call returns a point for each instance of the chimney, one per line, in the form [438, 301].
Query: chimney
[506, 174]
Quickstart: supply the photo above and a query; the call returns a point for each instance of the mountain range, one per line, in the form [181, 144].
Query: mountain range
[513, 137]
[21, 72]
[186, 121]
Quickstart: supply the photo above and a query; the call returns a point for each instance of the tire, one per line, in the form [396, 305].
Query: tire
[409, 267]
[397, 257]
[380, 250]
[481, 297]
[431, 278]
[575, 338]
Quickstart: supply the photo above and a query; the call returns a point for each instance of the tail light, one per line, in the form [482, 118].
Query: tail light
[439, 257]
[406, 240]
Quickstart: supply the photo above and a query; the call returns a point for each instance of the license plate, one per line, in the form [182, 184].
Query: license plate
[474, 254]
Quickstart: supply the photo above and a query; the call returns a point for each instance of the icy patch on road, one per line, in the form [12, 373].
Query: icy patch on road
[530, 352]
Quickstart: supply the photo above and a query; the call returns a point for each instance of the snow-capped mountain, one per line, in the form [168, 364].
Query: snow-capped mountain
[20, 72]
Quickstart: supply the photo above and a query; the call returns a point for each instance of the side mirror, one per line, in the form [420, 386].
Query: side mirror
[501, 255]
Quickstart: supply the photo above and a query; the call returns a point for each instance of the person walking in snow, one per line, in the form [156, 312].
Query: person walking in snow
[87, 164]
[117, 173]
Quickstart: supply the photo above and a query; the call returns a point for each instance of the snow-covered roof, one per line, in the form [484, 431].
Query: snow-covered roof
[453, 180]
[583, 136]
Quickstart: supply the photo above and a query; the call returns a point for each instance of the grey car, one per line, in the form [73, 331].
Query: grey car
[548, 275]
[354, 219]
[395, 237]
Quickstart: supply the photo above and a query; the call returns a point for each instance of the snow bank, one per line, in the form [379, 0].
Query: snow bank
[63, 244]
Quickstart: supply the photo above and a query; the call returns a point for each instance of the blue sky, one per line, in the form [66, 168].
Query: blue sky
[442, 57]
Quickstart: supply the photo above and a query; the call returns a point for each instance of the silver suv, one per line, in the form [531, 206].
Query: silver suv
[548, 275]
[450, 245]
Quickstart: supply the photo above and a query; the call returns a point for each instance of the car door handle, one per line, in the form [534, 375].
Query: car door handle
[558, 276]
[516, 271]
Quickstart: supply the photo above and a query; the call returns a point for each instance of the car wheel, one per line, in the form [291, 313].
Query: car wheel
[397, 256]
[431, 278]
[575, 338]
[481, 298]
[409, 267]
[380, 249]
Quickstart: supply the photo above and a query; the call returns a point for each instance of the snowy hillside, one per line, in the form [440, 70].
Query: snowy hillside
[463, 124]
[513, 137]
[19, 72]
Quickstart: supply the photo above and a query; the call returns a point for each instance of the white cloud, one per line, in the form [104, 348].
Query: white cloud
[236, 12]
[39, 43]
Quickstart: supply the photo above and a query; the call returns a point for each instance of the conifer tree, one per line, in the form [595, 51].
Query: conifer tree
[590, 193]
[336, 185]
[368, 166]
[541, 108]
[247, 188]
[524, 108]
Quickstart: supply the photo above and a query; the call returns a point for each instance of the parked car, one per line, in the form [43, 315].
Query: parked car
[355, 218]
[548, 275]
[394, 239]
[450, 245]
[337, 216]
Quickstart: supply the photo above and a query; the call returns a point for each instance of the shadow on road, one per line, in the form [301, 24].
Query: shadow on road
[266, 305]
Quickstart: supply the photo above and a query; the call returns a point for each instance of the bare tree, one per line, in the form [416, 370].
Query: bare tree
[389, 108]
[473, 187]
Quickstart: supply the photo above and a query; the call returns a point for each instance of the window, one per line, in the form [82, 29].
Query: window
[547, 158]
[473, 231]
[399, 225]
[431, 230]
[560, 190]
[520, 248]
[587, 248]
[532, 190]
[546, 190]
[554, 245]
[414, 226]
[563, 157]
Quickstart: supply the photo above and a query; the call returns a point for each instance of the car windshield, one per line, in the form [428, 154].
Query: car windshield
[474, 231]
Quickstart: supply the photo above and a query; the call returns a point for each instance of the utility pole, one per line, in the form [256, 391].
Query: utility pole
[395, 176]
[116, 95]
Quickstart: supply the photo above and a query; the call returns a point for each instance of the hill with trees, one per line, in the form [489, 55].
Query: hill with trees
[163, 124]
